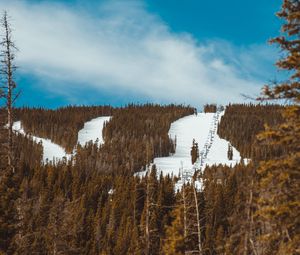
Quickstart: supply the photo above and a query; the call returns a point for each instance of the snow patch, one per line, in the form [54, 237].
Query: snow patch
[92, 131]
[51, 151]
[203, 128]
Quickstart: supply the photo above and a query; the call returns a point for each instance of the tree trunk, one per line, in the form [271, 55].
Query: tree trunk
[198, 219]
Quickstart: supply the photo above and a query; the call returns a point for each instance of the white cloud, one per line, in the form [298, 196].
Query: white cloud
[120, 46]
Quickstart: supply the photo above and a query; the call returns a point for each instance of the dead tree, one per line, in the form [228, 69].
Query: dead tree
[197, 218]
[147, 229]
[191, 215]
[151, 231]
[8, 86]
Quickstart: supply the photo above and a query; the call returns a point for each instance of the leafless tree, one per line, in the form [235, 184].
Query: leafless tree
[8, 86]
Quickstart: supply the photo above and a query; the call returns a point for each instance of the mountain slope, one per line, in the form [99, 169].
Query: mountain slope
[203, 128]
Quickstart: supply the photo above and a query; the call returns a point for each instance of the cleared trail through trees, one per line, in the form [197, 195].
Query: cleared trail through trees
[209, 141]
[92, 131]
[213, 150]
[187, 173]
[51, 151]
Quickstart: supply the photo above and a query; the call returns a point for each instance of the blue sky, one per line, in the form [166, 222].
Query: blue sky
[116, 52]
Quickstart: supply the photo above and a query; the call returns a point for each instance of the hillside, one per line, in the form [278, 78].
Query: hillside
[96, 203]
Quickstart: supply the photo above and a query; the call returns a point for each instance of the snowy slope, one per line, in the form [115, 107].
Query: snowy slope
[50, 150]
[92, 131]
[184, 130]
[218, 152]
[202, 128]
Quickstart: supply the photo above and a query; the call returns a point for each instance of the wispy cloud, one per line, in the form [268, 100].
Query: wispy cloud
[121, 46]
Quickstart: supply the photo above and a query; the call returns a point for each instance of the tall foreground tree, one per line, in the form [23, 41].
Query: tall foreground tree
[8, 186]
[279, 184]
[8, 86]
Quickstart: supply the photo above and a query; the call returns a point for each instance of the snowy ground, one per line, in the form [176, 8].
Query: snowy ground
[50, 150]
[92, 131]
[218, 151]
[202, 128]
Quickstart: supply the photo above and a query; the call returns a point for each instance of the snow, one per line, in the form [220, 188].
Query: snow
[203, 128]
[92, 131]
[218, 151]
[51, 151]
[184, 130]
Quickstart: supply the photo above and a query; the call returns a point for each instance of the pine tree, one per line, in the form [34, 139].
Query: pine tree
[194, 151]
[289, 42]
[279, 203]
[150, 214]
[175, 241]
[8, 212]
[229, 152]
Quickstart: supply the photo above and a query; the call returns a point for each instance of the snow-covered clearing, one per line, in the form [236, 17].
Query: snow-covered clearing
[213, 150]
[92, 131]
[51, 151]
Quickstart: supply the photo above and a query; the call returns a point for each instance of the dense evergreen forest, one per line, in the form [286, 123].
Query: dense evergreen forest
[96, 204]
[62, 125]
[242, 122]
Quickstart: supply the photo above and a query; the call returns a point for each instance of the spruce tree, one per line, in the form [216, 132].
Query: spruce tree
[279, 203]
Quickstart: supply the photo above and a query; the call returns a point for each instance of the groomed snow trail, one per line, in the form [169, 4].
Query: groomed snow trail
[92, 131]
[218, 151]
[202, 128]
[51, 151]
[184, 131]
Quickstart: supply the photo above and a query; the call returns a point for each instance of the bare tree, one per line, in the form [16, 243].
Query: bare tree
[8, 86]
[198, 220]
[191, 215]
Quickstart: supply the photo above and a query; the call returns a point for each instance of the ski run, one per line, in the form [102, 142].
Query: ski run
[202, 127]
[51, 151]
[92, 131]
[212, 149]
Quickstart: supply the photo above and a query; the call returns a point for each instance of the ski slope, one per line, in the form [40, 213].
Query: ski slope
[218, 151]
[203, 128]
[92, 131]
[51, 151]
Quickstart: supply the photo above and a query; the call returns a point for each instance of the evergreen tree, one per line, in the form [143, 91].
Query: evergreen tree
[175, 241]
[194, 151]
[8, 211]
[229, 152]
[279, 203]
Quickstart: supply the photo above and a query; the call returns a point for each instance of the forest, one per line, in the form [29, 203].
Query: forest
[96, 203]
[97, 206]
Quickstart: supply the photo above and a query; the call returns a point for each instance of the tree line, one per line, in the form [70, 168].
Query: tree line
[96, 205]
[61, 125]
